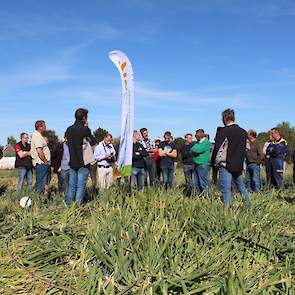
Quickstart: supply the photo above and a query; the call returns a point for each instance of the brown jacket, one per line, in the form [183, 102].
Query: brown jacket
[255, 153]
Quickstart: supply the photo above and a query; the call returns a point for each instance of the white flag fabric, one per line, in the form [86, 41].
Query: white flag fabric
[127, 122]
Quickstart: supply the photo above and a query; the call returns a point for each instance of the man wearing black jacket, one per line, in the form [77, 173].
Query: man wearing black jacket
[229, 155]
[187, 161]
[139, 153]
[79, 171]
[23, 162]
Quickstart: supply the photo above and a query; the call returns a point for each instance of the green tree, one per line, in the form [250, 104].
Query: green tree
[262, 137]
[52, 138]
[179, 141]
[99, 134]
[11, 140]
[116, 141]
[288, 132]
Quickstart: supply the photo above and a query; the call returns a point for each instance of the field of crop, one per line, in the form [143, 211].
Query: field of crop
[149, 243]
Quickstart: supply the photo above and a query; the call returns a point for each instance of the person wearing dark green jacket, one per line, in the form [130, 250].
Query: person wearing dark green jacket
[201, 158]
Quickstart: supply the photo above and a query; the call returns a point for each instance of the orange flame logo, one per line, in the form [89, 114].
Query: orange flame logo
[123, 66]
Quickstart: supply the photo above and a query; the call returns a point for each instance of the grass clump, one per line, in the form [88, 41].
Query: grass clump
[151, 243]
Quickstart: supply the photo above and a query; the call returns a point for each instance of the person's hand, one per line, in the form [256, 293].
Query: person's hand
[137, 153]
[107, 155]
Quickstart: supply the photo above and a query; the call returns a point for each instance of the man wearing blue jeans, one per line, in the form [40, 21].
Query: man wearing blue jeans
[201, 158]
[277, 152]
[167, 154]
[254, 159]
[188, 163]
[79, 170]
[77, 184]
[228, 155]
[138, 156]
[41, 156]
[150, 164]
[23, 162]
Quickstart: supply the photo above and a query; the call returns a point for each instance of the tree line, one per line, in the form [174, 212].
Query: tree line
[286, 129]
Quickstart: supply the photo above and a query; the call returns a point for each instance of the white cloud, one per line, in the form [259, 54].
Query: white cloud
[53, 69]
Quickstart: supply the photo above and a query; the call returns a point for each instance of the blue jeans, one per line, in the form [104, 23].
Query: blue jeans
[277, 172]
[189, 175]
[150, 167]
[253, 181]
[202, 178]
[77, 185]
[42, 171]
[226, 178]
[24, 173]
[137, 173]
[168, 175]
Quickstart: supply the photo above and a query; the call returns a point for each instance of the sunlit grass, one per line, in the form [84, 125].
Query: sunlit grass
[150, 243]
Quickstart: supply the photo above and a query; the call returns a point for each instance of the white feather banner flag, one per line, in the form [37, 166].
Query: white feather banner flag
[127, 122]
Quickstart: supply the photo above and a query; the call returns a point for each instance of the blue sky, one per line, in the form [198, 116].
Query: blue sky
[191, 60]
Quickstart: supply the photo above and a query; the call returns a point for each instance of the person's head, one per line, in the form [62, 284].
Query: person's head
[81, 115]
[276, 133]
[40, 126]
[252, 135]
[24, 137]
[168, 136]
[188, 138]
[200, 134]
[108, 138]
[136, 136]
[228, 116]
[144, 133]
[157, 142]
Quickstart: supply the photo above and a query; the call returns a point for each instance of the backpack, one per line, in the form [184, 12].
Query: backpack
[220, 160]
[88, 156]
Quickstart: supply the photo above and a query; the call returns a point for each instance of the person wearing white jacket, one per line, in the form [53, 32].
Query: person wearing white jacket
[105, 156]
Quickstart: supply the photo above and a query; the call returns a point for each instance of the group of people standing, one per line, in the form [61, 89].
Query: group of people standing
[153, 161]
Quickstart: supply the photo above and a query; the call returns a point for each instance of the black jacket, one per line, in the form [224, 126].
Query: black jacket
[25, 162]
[187, 157]
[139, 152]
[75, 135]
[236, 151]
[56, 156]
